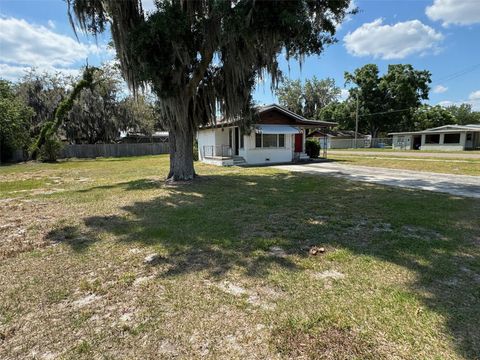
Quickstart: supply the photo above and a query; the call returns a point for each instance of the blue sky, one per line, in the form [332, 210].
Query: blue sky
[442, 36]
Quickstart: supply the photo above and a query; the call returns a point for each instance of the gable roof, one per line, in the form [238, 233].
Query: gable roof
[264, 110]
[299, 120]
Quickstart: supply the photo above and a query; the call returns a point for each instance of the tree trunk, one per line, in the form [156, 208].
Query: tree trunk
[181, 154]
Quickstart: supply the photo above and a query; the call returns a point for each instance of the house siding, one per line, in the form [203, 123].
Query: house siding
[254, 155]
[402, 142]
[205, 138]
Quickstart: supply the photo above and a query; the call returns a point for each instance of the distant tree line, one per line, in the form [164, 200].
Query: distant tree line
[98, 115]
[387, 103]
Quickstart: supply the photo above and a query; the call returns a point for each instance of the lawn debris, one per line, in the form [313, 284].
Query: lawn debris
[315, 250]
[153, 259]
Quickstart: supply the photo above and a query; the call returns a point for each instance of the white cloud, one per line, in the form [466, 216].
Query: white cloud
[473, 99]
[447, 103]
[26, 44]
[474, 96]
[439, 89]
[344, 94]
[14, 73]
[392, 41]
[51, 24]
[459, 12]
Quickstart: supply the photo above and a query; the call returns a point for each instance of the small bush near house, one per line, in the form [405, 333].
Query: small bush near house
[312, 148]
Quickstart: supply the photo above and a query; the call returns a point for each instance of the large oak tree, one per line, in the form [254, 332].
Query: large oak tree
[386, 103]
[198, 55]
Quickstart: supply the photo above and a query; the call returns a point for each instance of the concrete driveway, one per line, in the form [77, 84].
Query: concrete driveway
[461, 185]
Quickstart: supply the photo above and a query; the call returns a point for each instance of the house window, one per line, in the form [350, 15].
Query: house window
[432, 139]
[242, 139]
[451, 139]
[269, 140]
[258, 140]
[469, 137]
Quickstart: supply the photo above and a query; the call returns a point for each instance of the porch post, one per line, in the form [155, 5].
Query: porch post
[304, 140]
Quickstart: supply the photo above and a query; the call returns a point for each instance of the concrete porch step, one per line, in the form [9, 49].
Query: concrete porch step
[238, 160]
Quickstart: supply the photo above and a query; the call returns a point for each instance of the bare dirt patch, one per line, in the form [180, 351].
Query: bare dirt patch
[259, 296]
[24, 225]
[328, 274]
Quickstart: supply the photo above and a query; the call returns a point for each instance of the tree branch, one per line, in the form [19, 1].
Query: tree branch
[199, 72]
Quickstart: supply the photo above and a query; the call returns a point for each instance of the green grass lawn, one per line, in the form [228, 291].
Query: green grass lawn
[400, 277]
[460, 166]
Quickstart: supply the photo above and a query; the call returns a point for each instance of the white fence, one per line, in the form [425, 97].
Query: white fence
[359, 143]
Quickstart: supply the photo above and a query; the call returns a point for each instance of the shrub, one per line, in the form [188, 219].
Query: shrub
[312, 148]
[50, 150]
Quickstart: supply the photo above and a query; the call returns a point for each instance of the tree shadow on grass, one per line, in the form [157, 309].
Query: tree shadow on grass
[140, 184]
[232, 221]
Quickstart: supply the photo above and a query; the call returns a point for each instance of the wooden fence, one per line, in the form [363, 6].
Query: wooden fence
[112, 150]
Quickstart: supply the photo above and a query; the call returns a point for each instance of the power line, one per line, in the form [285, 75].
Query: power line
[370, 114]
[386, 112]
[459, 73]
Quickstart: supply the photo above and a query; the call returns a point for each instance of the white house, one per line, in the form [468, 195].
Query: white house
[443, 138]
[277, 137]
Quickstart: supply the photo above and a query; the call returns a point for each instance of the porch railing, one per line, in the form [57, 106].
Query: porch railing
[217, 151]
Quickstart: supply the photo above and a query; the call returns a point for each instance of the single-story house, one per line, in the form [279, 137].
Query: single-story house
[339, 139]
[443, 138]
[278, 136]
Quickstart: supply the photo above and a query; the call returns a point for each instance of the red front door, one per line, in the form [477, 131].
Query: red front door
[298, 142]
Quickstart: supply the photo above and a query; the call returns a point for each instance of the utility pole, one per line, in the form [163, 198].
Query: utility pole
[356, 123]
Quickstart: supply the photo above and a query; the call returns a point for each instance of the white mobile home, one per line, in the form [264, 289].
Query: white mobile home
[443, 138]
[277, 137]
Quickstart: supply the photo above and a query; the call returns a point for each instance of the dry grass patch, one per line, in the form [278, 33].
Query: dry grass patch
[24, 225]
[330, 344]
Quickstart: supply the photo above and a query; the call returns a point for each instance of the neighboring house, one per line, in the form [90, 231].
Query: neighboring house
[443, 138]
[339, 139]
[136, 137]
[277, 137]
